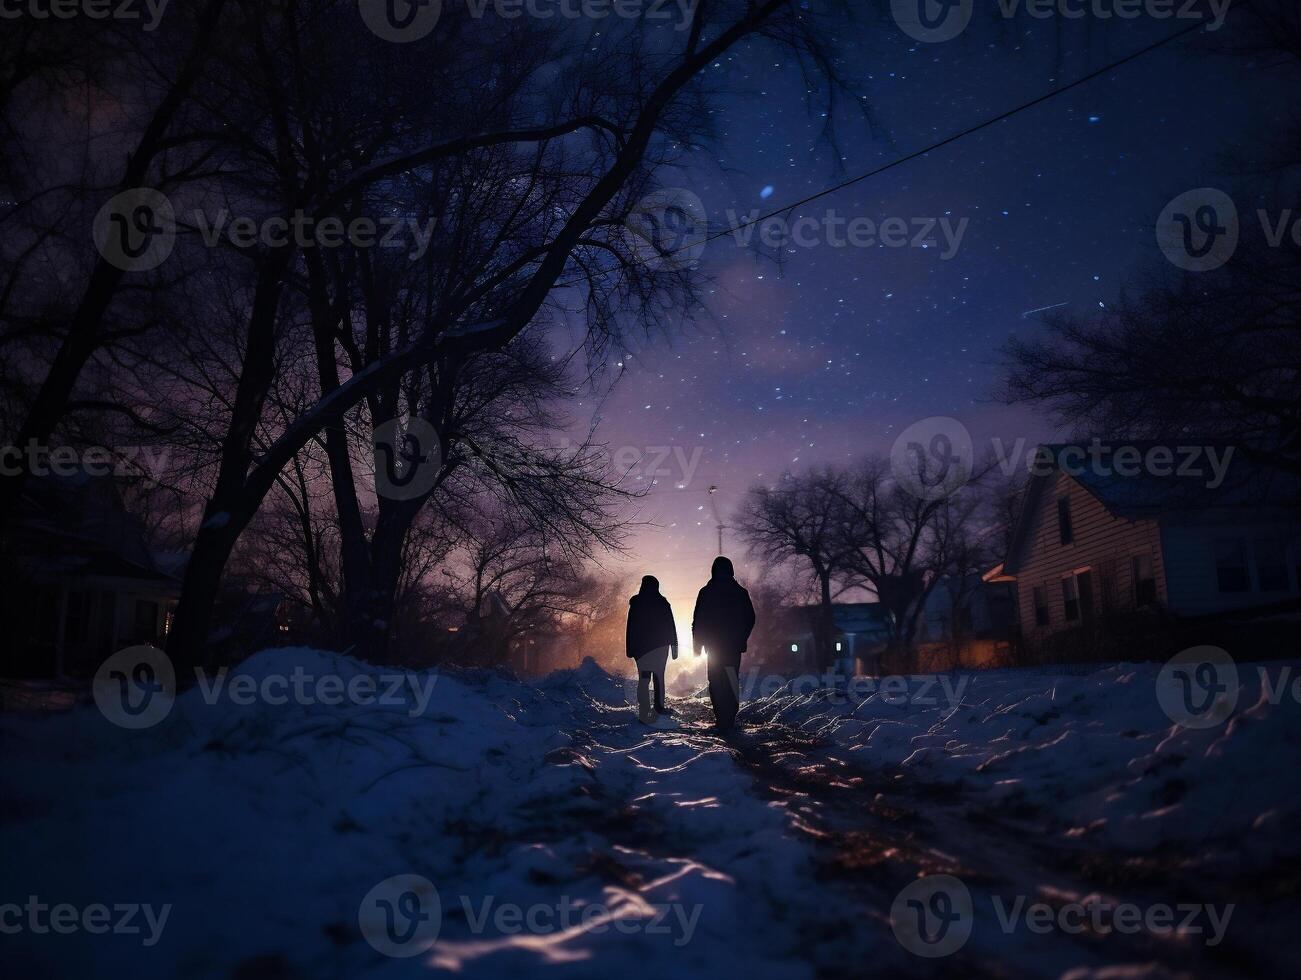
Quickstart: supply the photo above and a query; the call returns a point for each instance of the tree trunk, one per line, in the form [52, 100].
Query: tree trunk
[372, 621]
[826, 623]
[187, 644]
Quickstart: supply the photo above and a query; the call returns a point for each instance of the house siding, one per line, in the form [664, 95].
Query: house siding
[1103, 543]
[1190, 561]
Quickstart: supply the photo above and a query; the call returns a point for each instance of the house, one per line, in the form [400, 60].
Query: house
[973, 607]
[1191, 530]
[862, 630]
[81, 580]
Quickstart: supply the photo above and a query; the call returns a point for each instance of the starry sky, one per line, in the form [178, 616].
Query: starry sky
[832, 354]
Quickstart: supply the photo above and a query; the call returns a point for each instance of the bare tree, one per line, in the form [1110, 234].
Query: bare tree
[1215, 353]
[800, 523]
[599, 143]
[899, 544]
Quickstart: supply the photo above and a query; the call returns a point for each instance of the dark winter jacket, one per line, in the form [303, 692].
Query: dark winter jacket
[650, 621]
[724, 614]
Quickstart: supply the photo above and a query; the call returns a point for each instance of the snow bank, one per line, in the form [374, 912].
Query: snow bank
[264, 826]
[1083, 755]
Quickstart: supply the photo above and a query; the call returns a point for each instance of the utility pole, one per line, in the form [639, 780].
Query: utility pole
[713, 503]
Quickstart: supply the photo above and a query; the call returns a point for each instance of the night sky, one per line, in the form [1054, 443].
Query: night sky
[833, 355]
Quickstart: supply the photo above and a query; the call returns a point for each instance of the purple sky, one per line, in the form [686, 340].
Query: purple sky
[831, 356]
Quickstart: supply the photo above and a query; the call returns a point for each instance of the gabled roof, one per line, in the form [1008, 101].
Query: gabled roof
[1162, 480]
[853, 617]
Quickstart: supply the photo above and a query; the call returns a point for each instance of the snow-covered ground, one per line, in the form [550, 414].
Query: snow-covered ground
[475, 824]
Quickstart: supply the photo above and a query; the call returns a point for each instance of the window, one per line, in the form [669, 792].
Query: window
[1231, 565]
[1041, 617]
[1077, 595]
[1271, 565]
[78, 628]
[1144, 581]
[1071, 599]
[146, 625]
[1064, 528]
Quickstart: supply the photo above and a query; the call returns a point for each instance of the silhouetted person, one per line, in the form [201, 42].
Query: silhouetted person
[651, 635]
[722, 623]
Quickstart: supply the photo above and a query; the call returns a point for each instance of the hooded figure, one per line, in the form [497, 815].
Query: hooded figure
[650, 637]
[721, 625]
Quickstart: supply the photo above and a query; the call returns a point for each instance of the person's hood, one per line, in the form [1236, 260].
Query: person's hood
[722, 569]
[650, 589]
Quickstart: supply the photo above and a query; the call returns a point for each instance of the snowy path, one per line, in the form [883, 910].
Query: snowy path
[564, 839]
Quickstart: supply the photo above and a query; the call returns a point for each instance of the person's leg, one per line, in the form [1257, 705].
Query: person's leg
[650, 669]
[724, 688]
[658, 678]
[658, 662]
[645, 712]
[713, 671]
[731, 689]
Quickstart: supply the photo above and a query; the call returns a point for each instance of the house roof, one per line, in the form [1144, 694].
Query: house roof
[1163, 480]
[854, 617]
[1184, 474]
[77, 526]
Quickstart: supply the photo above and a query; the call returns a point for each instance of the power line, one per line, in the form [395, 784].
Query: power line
[954, 137]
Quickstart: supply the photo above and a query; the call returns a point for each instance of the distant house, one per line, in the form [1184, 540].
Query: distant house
[1173, 535]
[974, 607]
[81, 581]
[862, 630]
